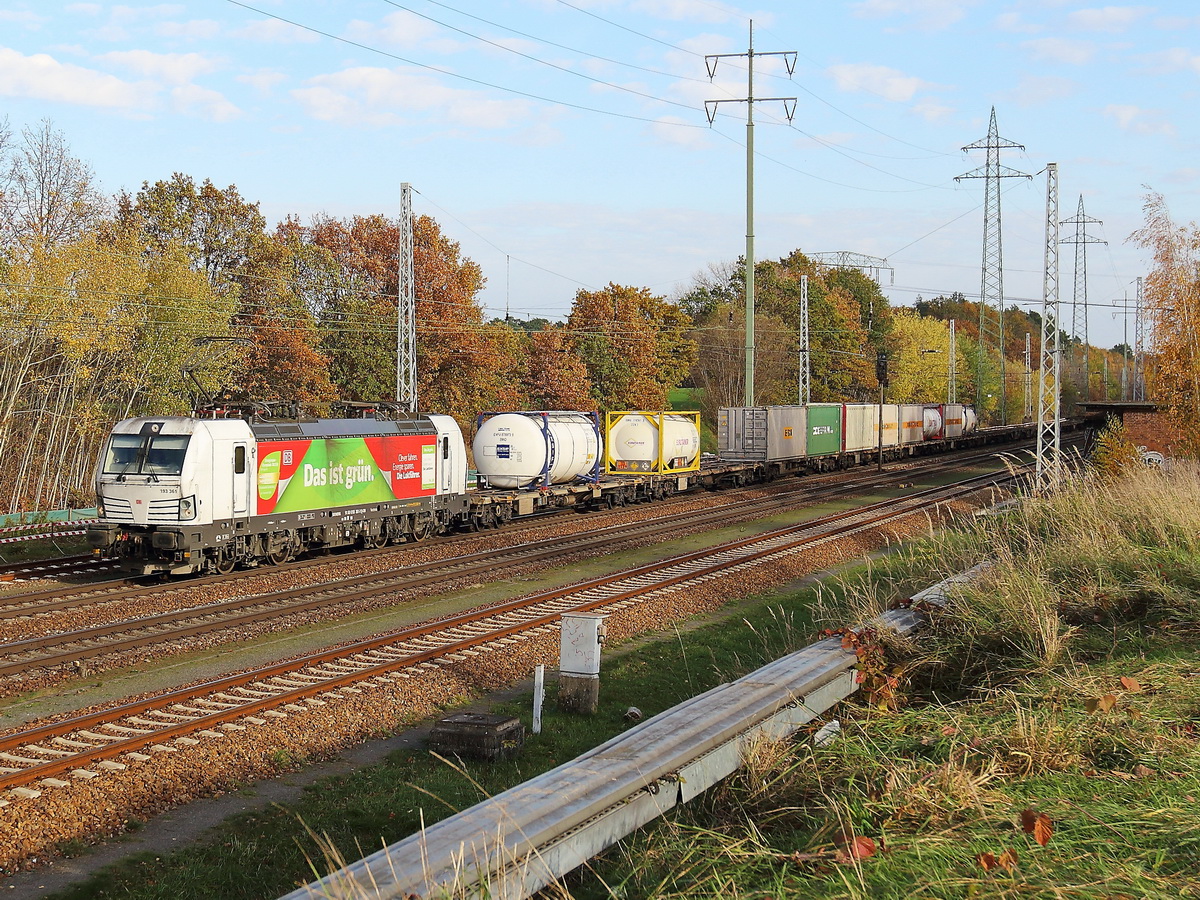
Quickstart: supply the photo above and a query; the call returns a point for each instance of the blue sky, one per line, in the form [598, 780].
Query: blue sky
[565, 144]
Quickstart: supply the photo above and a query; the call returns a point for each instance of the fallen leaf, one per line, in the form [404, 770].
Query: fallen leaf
[1104, 704]
[1008, 860]
[1131, 684]
[949, 730]
[1043, 829]
[858, 847]
[986, 861]
[1143, 771]
[1028, 820]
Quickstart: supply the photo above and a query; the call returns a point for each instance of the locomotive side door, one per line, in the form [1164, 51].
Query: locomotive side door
[242, 466]
[445, 465]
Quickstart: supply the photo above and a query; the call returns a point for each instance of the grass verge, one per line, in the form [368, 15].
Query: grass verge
[1043, 742]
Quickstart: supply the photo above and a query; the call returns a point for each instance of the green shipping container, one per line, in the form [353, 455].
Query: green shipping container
[824, 429]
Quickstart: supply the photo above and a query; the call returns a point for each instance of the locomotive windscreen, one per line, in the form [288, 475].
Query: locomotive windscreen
[146, 454]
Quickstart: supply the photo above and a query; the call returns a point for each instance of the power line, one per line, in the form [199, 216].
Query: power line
[453, 74]
[543, 62]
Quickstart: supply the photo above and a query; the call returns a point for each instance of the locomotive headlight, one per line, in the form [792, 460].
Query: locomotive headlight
[187, 508]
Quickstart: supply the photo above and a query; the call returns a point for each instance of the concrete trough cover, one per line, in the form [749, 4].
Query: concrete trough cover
[478, 735]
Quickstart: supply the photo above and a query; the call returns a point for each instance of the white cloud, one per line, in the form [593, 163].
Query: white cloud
[1106, 18]
[690, 11]
[41, 77]
[200, 101]
[1034, 90]
[22, 17]
[1176, 59]
[383, 97]
[173, 68]
[1177, 23]
[401, 29]
[194, 29]
[263, 80]
[927, 14]
[84, 9]
[273, 31]
[1060, 50]
[142, 13]
[1136, 120]
[932, 111]
[891, 84]
[1012, 22]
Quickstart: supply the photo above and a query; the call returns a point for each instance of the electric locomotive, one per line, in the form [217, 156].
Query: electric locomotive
[180, 494]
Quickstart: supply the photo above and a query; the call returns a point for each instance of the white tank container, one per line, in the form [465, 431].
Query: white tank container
[634, 440]
[933, 423]
[517, 449]
[970, 421]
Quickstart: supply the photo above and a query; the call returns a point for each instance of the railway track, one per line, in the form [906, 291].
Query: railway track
[60, 598]
[55, 567]
[84, 747]
[70, 648]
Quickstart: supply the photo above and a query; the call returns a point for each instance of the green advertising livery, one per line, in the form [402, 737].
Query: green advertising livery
[295, 476]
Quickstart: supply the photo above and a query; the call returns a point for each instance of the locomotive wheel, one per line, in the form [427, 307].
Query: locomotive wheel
[278, 556]
[422, 527]
[224, 561]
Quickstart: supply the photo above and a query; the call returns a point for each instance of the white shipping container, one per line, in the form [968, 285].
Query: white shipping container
[860, 426]
[953, 420]
[912, 423]
[513, 450]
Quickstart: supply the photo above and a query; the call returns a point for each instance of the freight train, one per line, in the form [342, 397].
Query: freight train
[210, 493]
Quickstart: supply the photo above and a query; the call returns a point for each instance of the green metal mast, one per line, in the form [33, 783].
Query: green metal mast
[710, 108]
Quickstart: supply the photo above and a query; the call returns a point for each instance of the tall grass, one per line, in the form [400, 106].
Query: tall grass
[1062, 683]
[1098, 552]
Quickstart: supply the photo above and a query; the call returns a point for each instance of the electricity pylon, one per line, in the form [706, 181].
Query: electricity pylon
[991, 292]
[1049, 433]
[406, 310]
[1079, 302]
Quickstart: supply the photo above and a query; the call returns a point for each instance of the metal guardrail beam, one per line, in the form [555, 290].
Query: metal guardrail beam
[521, 840]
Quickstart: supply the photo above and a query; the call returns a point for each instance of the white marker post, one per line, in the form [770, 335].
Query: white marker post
[539, 697]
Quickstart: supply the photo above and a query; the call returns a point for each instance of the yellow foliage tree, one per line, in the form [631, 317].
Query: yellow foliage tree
[1172, 293]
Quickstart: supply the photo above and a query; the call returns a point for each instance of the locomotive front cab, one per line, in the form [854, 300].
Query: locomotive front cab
[157, 493]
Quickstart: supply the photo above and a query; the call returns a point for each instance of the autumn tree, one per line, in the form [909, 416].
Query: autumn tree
[463, 364]
[47, 195]
[91, 330]
[554, 376]
[224, 235]
[1172, 296]
[720, 372]
[218, 228]
[841, 311]
[635, 345]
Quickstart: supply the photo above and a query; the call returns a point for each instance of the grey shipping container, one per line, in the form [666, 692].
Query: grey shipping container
[767, 433]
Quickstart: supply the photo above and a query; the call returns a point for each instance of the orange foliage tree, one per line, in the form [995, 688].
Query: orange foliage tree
[635, 346]
[463, 364]
[1172, 294]
[555, 377]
